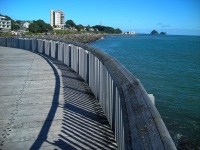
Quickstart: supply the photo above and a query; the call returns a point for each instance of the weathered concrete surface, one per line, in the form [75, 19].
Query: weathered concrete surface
[46, 105]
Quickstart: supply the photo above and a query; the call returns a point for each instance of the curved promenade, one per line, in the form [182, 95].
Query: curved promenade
[46, 105]
[133, 118]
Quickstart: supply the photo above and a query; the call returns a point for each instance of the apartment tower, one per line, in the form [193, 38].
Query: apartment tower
[57, 18]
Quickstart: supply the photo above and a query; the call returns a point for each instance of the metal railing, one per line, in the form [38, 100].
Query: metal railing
[134, 119]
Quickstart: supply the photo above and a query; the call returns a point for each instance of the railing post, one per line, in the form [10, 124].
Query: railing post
[61, 51]
[9, 42]
[151, 96]
[67, 54]
[54, 49]
[75, 58]
[91, 71]
[87, 71]
[96, 77]
[16, 43]
[27, 44]
[34, 43]
[21, 43]
[2, 41]
[6, 41]
[83, 64]
[41, 46]
[47, 47]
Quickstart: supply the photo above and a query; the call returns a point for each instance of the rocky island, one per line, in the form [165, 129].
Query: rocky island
[154, 32]
[163, 33]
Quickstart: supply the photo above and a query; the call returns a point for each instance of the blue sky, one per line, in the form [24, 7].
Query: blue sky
[173, 16]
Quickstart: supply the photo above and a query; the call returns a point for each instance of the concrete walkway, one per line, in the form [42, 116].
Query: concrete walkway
[46, 105]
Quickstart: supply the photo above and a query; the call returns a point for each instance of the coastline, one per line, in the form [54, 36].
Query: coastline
[82, 38]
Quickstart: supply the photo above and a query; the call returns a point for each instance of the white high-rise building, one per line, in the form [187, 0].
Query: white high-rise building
[57, 18]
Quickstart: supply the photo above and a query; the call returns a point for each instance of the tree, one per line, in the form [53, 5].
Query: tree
[33, 27]
[15, 25]
[118, 31]
[49, 27]
[100, 28]
[79, 27]
[39, 26]
[42, 25]
[7, 17]
[105, 29]
[109, 30]
[70, 23]
[19, 25]
[88, 28]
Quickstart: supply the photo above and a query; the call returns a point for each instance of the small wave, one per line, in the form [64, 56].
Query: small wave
[178, 136]
[177, 139]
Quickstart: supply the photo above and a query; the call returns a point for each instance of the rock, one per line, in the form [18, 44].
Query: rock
[163, 33]
[82, 38]
[154, 32]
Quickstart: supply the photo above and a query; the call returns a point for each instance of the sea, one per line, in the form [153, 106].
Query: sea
[168, 66]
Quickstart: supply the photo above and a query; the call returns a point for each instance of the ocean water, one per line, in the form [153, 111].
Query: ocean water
[169, 67]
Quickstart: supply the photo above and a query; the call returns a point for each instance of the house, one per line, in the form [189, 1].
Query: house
[91, 29]
[26, 25]
[5, 23]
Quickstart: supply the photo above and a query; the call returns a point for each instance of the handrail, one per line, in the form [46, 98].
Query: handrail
[134, 119]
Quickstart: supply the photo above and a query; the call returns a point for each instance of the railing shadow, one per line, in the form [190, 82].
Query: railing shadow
[84, 125]
[47, 123]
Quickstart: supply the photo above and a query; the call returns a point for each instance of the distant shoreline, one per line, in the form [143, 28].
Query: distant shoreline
[82, 38]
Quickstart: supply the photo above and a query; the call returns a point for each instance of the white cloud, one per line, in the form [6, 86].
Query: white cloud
[163, 25]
